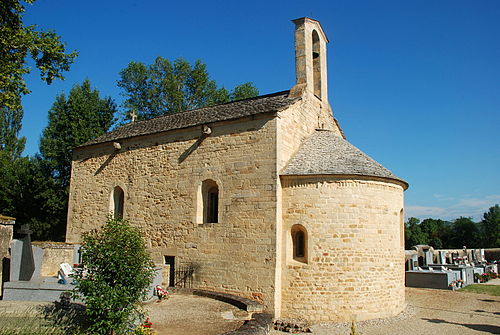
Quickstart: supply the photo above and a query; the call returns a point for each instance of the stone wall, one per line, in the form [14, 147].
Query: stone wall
[295, 124]
[54, 254]
[161, 176]
[355, 256]
[6, 233]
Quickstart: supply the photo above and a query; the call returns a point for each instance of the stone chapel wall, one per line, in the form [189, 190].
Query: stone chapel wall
[295, 124]
[161, 175]
[355, 258]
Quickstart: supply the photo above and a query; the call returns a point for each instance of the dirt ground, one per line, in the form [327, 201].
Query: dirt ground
[193, 315]
[429, 311]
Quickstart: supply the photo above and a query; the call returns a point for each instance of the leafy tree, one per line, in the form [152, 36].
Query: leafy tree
[28, 195]
[73, 121]
[464, 233]
[244, 91]
[437, 232]
[117, 271]
[490, 228]
[10, 125]
[166, 87]
[17, 42]
[413, 233]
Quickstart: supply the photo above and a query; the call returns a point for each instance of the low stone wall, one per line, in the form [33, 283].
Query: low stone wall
[6, 232]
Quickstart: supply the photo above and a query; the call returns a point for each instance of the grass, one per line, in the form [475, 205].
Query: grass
[40, 321]
[26, 322]
[483, 289]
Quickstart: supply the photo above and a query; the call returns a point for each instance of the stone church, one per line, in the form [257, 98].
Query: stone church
[264, 198]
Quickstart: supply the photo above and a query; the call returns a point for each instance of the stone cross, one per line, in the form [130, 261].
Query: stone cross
[133, 115]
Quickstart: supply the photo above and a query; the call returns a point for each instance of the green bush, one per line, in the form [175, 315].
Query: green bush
[114, 276]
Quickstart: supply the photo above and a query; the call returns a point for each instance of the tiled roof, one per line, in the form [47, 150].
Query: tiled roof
[326, 153]
[232, 110]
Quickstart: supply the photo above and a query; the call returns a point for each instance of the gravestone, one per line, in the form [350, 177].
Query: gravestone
[442, 257]
[27, 261]
[429, 257]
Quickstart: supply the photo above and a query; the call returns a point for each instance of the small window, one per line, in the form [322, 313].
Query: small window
[210, 195]
[213, 205]
[299, 241]
[117, 199]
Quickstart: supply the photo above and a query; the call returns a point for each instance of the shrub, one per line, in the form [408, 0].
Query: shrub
[114, 276]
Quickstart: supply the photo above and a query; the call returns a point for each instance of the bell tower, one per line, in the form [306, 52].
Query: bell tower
[310, 59]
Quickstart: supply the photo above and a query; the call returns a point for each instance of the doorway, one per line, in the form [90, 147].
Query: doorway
[170, 261]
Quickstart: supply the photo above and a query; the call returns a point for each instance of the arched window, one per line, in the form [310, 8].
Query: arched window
[299, 241]
[210, 195]
[117, 199]
[316, 53]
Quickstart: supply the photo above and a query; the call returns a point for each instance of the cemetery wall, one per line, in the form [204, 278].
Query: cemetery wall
[161, 176]
[354, 268]
[6, 233]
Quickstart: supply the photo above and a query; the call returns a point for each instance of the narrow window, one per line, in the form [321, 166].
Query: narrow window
[213, 205]
[402, 229]
[299, 241]
[117, 202]
[316, 64]
[210, 195]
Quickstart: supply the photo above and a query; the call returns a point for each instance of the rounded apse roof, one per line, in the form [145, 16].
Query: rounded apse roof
[325, 153]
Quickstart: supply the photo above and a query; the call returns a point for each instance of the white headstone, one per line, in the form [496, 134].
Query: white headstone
[66, 269]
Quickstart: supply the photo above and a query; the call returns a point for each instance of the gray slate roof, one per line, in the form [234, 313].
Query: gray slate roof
[326, 153]
[233, 110]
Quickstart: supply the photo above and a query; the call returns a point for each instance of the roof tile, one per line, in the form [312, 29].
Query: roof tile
[326, 153]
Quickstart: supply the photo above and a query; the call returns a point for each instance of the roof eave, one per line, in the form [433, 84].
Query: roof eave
[399, 181]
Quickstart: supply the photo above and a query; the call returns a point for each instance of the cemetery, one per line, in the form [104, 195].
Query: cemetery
[40, 271]
[446, 269]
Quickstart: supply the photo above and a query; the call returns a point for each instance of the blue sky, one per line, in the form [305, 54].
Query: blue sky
[414, 84]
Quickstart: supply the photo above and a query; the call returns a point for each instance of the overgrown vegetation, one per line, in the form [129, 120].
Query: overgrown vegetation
[44, 320]
[114, 276]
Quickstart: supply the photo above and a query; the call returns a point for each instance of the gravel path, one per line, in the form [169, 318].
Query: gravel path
[430, 311]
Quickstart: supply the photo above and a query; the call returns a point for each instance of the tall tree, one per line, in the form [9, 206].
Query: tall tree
[464, 233]
[28, 195]
[490, 228]
[166, 87]
[72, 122]
[10, 125]
[437, 232]
[414, 234]
[17, 42]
